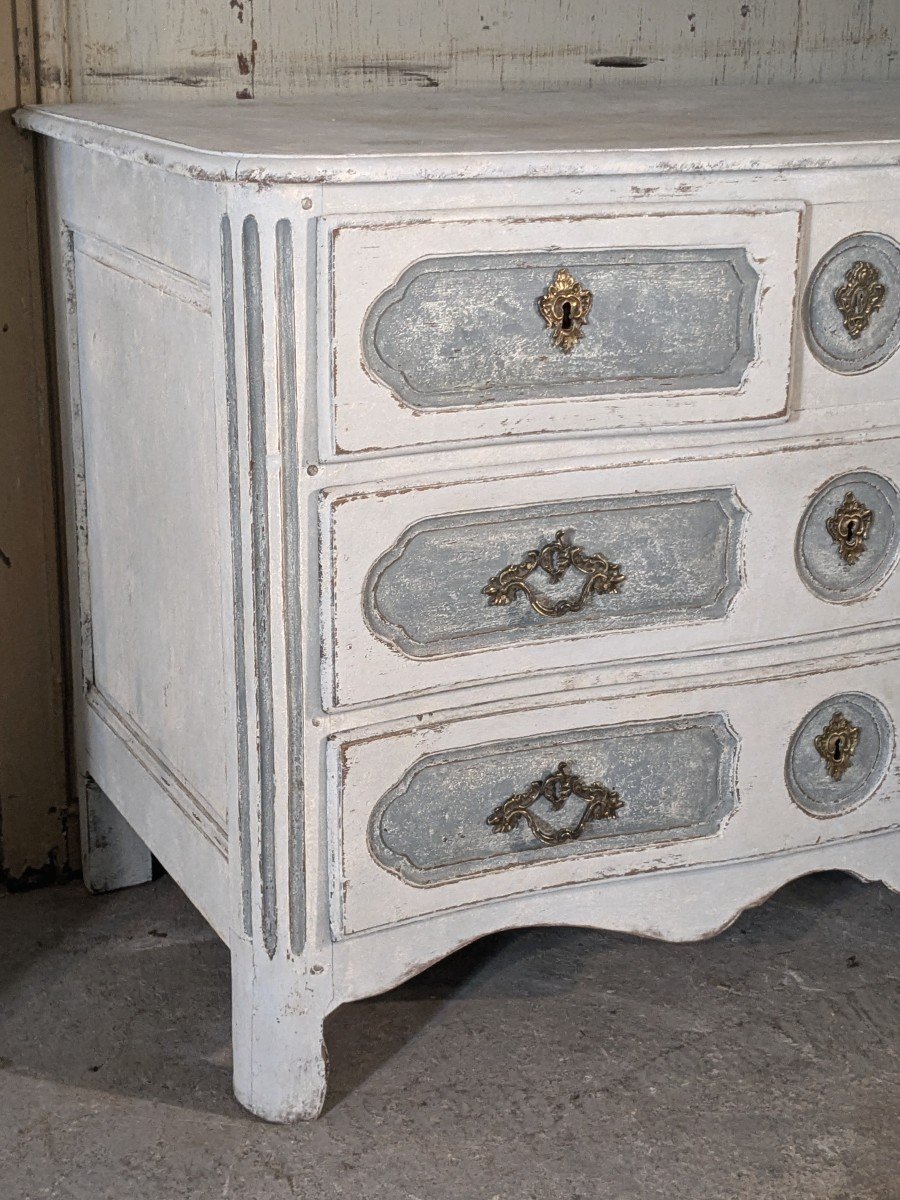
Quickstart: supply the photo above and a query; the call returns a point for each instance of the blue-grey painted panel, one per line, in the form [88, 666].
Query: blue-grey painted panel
[827, 335]
[466, 330]
[674, 778]
[679, 553]
[822, 568]
[812, 787]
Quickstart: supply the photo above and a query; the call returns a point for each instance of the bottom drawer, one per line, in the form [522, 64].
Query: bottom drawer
[475, 809]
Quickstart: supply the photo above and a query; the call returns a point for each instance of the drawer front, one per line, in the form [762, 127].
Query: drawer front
[447, 331]
[519, 801]
[436, 587]
[840, 754]
[849, 538]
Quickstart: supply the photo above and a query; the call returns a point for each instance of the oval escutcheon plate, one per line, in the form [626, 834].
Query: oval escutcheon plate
[840, 754]
[848, 541]
[852, 305]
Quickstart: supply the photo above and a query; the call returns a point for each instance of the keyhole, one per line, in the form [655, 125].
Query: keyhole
[851, 530]
[566, 315]
[838, 752]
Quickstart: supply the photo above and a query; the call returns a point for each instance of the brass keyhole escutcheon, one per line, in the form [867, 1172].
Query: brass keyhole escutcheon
[837, 744]
[565, 306]
[849, 526]
[859, 297]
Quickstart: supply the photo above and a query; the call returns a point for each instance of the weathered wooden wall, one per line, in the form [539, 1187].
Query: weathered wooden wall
[255, 48]
[35, 825]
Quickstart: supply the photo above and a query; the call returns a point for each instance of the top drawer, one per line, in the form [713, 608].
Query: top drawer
[448, 331]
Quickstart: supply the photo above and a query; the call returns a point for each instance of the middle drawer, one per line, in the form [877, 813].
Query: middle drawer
[440, 586]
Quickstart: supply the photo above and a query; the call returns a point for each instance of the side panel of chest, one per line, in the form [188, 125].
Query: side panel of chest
[148, 490]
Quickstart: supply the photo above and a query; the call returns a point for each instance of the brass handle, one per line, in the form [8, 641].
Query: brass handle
[554, 558]
[837, 744]
[601, 804]
[849, 526]
[860, 296]
[565, 306]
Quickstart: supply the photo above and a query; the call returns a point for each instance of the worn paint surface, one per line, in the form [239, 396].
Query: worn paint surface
[811, 785]
[707, 337]
[857, 349]
[673, 778]
[468, 330]
[764, 667]
[426, 596]
[254, 48]
[819, 561]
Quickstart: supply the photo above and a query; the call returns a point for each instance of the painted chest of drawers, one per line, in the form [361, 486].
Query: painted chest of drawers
[484, 512]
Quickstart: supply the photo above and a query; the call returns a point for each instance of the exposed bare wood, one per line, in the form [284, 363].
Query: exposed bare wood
[34, 815]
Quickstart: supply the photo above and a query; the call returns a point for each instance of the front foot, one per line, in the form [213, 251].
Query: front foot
[280, 1060]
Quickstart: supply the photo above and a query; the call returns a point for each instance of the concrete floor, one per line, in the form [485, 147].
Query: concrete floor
[540, 1065]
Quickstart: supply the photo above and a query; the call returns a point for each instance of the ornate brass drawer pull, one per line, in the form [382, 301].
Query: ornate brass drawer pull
[555, 558]
[601, 804]
[565, 306]
[849, 526]
[837, 743]
[860, 296]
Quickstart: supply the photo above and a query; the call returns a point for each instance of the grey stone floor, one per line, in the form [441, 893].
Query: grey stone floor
[544, 1064]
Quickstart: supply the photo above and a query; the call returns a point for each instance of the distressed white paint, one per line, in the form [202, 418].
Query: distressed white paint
[277, 47]
[493, 136]
[311, 918]
[763, 825]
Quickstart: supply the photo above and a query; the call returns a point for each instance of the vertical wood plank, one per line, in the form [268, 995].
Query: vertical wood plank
[255, 48]
[36, 825]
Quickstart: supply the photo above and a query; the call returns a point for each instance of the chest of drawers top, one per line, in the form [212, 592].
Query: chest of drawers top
[431, 135]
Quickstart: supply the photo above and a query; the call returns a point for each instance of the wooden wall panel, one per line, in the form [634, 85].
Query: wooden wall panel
[279, 47]
[36, 831]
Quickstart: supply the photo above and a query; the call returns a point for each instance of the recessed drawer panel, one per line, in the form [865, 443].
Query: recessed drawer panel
[540, 799]
[441, 586]
[488, 579]
[448, 331]
[468, 330]
[516, 800]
